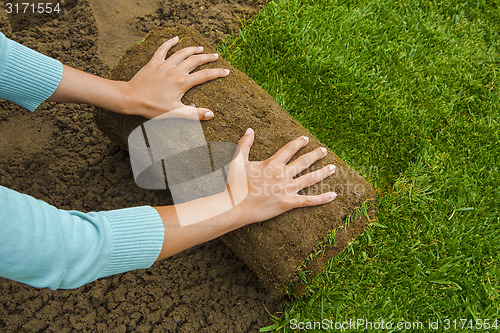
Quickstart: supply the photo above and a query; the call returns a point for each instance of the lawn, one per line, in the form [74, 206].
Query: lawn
[407, 92]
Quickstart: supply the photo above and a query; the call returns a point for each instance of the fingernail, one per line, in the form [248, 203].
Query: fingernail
[306, 138]
[333, 168]
[333, 195]
[176, 37]
[209, 115]
[248, 131]
[324, 150]
[227, 71]
[201, 48]
[216, 55]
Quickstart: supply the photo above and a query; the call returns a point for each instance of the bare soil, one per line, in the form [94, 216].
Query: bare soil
[57, 154]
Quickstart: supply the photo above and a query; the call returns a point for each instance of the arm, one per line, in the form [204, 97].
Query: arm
[27, 78]
[156, 89]
[262, 190]
[47, 247]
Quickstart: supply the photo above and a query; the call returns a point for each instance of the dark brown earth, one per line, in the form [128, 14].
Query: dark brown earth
[276, 248]
[57, 154]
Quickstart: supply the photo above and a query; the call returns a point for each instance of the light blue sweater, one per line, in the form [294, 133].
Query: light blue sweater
[47, 247]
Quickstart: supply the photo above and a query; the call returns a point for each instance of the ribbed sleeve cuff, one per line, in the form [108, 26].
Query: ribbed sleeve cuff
[137, 235]
[28, 78]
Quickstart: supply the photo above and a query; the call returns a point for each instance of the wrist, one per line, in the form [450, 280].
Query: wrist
[125, 103]
[238, 214]
[224, 213]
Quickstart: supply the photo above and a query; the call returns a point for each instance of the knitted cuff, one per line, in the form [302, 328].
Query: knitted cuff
[27, 77]
[137, 235]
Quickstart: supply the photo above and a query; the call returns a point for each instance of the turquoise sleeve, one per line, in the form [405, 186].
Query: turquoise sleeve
[27, 77]
[43, 246]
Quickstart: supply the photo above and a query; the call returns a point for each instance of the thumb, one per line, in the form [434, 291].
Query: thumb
[188, 112]
[204, 114]
[246, 143]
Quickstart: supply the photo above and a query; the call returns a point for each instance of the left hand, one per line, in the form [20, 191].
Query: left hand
[264, 189]
[159, 86]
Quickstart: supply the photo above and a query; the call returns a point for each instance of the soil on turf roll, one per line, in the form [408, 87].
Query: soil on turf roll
[277, 248]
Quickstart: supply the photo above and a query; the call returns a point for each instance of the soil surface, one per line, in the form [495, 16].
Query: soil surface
[57, 154]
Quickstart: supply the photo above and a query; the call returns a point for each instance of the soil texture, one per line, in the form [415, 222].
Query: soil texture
[57, 154]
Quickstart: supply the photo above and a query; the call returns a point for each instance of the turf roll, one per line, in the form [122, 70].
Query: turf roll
[297, 243]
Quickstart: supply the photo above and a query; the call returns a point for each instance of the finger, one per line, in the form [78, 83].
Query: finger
[205, 75]
[188, 112]
[287, 151]
[305, 161]
[197, 60]
[314, 177]
[183, 54]
[162, 51]
[205, 114]
[314, 200]
[246, 143]
[184, 112]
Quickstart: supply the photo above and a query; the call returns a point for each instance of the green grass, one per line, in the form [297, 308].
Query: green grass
[329, 241]
[407, 92]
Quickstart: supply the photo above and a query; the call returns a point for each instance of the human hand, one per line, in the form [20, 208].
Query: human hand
[264, 189]
[159, 86]
[255, 191]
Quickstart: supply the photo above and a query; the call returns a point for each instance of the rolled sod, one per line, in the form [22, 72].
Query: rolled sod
[281, 250]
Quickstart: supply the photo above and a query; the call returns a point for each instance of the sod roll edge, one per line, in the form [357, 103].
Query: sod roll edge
[278, 248]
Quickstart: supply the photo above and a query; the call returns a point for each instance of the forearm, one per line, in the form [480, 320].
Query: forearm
[28, 78]
[84, 88]
[198, 221]
[255, 192]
